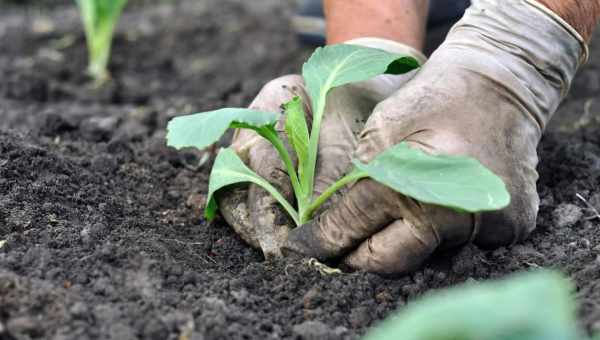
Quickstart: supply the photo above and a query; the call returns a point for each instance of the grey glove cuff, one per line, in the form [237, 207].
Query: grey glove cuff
[540, 51]
[566, 26]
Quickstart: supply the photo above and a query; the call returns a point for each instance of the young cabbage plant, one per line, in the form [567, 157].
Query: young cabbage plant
[461, 183]
[99, 20]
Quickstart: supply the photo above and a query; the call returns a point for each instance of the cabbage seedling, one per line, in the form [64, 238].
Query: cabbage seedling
[461, 183]
[99, 20]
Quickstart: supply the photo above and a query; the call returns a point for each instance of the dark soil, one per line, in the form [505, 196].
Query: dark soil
[100, 235]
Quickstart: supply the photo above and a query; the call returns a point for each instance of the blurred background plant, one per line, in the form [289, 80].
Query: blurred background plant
[99, 20]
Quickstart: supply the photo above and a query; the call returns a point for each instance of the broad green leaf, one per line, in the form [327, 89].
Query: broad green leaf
[337, 65]
[297, 130]
[203, 129]
[531, 306]
[457, 182]
[229, 169]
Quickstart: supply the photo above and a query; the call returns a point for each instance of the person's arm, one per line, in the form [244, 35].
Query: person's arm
[582, 15]
[404, 20]
[401, 21]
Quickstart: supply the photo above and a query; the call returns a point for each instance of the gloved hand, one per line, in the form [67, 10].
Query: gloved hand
[253, 213]
[488, 93]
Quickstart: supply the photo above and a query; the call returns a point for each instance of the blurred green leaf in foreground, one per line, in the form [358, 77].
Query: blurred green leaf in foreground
[529, 306]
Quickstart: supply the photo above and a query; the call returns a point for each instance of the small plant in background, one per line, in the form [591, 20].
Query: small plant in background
[530, 306]
[461, 183]
[99, 20]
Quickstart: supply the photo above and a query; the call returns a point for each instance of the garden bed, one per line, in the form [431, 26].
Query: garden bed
[101, 236]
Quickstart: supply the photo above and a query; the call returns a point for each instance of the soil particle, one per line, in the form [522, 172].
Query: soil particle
[359, 316]
[315, 330]
[97, 129]
[312, 299]
[595, 202]
[566, 215]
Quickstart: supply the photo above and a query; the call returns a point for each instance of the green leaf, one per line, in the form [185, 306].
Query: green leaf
[229, 169]
[297, 130]
[337, 65]
[457, 182]
[203, 129]
[531, 306]
[402, 65]
[100, 12]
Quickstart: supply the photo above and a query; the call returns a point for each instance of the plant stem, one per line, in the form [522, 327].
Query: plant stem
[99, 20]
[354, 175]
[313, 148]
[272, 137]
[99, 54]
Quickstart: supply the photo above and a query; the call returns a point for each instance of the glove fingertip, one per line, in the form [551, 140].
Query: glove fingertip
[304, 240]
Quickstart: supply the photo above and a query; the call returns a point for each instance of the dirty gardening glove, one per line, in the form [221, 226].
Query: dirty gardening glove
[252, 211]
[488, 93]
